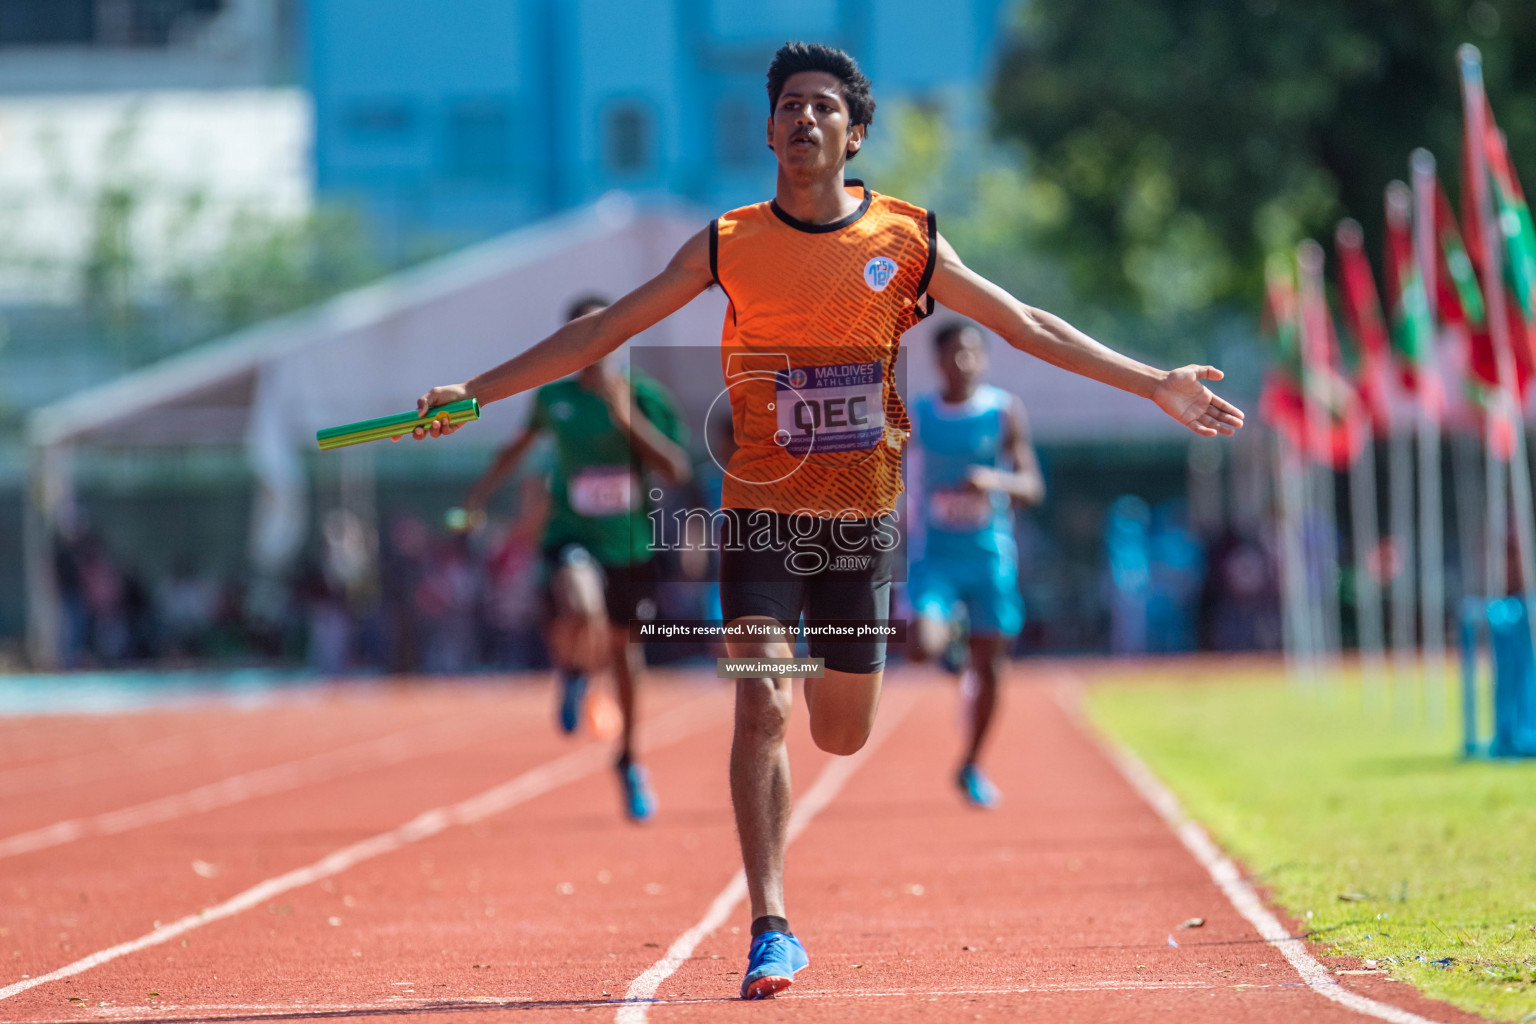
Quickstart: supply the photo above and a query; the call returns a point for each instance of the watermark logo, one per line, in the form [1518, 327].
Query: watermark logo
[807, 544]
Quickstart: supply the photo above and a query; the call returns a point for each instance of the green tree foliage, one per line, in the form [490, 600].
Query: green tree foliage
[1185, 138]
[994, 213]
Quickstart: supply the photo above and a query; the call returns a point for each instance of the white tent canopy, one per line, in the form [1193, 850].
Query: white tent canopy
[374, 350]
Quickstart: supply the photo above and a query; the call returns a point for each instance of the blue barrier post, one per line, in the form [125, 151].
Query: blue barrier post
[1474, 612]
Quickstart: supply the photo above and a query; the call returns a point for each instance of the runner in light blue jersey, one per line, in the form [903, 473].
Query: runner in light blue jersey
[975, 464]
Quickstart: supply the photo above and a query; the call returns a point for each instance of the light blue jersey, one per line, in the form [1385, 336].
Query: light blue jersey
[969, 554]
[961, 520]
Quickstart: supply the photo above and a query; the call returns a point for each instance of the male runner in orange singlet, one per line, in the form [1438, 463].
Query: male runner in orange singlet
[822, 282]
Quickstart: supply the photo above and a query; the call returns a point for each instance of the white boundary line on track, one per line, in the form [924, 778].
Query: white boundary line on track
[669, 727]
[447, 1004]
[635, 1009]
[381, 752]
[1231, 881]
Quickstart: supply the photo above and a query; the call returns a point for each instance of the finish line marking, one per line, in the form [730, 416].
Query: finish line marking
[1232, 883]
[672, 726]
[642, 991]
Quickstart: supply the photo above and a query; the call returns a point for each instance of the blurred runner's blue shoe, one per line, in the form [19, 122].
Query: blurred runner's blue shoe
[573, 693]
[977, 788]
[771, 965]
[639, 801]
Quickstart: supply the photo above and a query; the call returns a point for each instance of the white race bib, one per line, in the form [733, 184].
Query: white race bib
[961, 510]
[604, 491]
[837, 408]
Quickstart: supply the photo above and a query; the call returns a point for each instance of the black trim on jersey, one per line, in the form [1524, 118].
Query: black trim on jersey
[714, 250]
[933, 256]
[714, 264]
[821, 229]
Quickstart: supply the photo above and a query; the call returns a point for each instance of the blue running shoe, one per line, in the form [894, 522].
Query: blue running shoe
[639, 801]
[573, 694]
[771, 965]
[977, 788]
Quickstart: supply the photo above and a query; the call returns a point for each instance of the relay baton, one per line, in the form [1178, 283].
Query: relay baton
[396, 426]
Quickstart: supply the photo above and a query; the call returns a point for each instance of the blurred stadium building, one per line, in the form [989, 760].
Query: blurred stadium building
[477, 116]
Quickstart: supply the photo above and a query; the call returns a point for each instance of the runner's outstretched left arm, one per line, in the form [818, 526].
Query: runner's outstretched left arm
[1178, 392]
[582, 341]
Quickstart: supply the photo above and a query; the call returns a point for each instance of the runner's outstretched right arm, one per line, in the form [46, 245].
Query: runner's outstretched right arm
[585, 340]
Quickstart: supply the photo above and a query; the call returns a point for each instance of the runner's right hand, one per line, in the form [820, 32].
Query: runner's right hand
[436, 398]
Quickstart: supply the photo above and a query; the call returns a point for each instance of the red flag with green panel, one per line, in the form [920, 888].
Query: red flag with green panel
[1362, 314]
[1413, 332]
[1282, 401]
[1513, 217]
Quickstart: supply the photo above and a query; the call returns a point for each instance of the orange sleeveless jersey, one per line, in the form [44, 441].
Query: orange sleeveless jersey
[809, 350]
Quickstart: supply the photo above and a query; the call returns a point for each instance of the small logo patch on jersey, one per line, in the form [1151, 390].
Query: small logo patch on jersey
[879, 272]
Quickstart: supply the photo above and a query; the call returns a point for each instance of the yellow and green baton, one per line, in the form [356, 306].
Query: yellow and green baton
[395, 426]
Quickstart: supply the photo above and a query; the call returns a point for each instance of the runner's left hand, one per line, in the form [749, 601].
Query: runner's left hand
[982, 478]
[1182, 396]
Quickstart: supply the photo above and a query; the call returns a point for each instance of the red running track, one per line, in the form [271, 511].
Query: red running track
[482, 867]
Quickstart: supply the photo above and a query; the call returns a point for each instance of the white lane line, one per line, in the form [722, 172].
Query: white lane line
[162, 752]
[642, 991]
[376, 753]
[1079, 986]
[1232, 884]
[671, 726]
[205, 1011]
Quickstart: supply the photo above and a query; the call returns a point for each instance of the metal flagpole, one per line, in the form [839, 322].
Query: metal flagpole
[1323, 530]
[1367, 539]
[1297, 618]
[1365, 536]
[1476, 108]
[1470, 517]
[1430, 407]
[1400, 519]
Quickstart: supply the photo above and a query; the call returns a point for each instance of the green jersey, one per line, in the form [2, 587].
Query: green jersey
[598, 496]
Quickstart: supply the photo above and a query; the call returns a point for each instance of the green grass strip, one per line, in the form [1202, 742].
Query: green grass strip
[1359, 818]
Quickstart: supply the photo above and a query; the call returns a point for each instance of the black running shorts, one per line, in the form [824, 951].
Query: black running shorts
[780, 567]
[629, 591]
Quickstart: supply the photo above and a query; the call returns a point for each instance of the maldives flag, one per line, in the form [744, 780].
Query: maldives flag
[1513, 220]
[1282, 402]
[1459, 305]
[1413, 332]
[1362, 314]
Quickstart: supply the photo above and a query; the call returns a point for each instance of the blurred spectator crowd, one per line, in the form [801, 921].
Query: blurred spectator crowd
[415, 596]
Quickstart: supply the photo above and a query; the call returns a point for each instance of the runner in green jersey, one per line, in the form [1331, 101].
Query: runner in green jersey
[608, 430]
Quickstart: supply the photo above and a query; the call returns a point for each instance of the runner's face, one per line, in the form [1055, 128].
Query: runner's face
[809, 129]
[963, 362]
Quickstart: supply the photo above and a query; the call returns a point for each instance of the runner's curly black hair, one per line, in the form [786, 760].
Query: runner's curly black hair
[794, 58]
